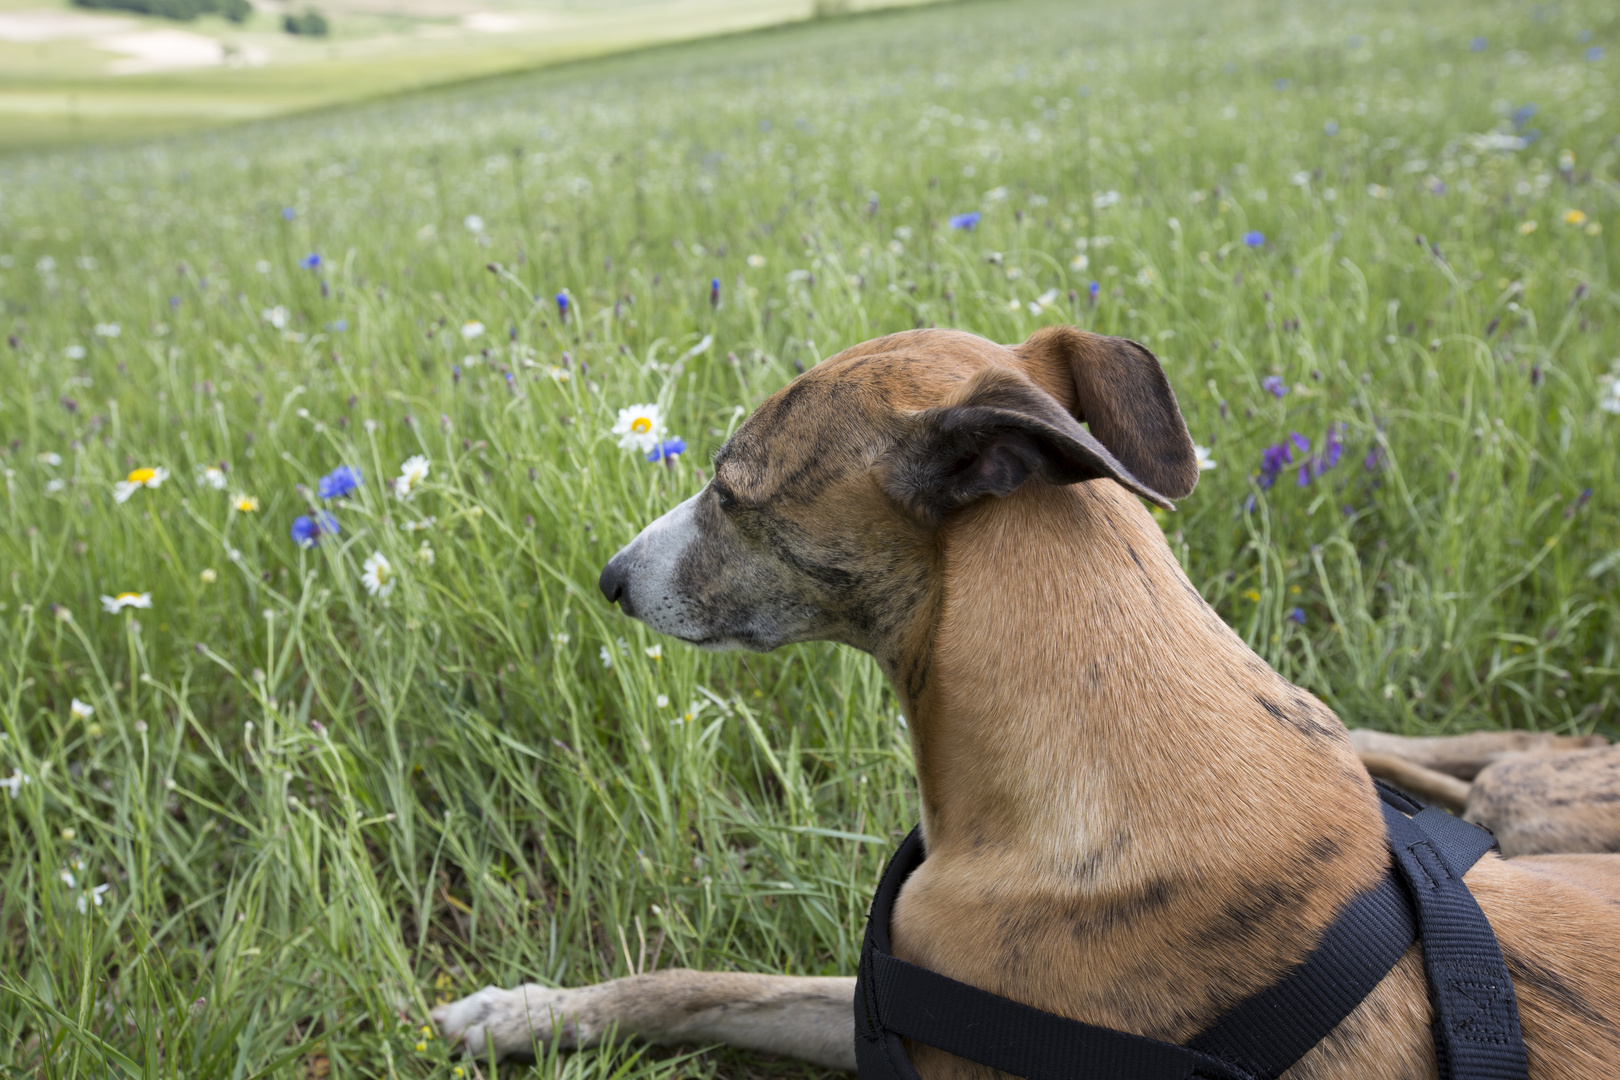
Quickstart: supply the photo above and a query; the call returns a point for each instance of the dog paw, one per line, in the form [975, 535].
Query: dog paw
[511, 1022]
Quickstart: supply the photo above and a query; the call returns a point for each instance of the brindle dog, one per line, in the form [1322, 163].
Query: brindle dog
[1131, 819]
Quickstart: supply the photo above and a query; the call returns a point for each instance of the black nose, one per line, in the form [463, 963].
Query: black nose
[615, 577]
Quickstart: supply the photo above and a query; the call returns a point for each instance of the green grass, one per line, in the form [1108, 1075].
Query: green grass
[317, 812]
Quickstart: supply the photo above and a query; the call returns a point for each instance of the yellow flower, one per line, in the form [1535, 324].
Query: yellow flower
[1527, 227]
[1574, 217]
[1252, 596]
[421, 1047]
[208, 576]
[1594, 228]
[246, 504]
[138, 479]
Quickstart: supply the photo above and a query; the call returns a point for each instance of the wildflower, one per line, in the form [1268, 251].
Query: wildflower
[245, 504]
[424, 554]
[1252, 595]
[640, 427]
[341, 481]
[1104, 199]
[54, 485]
[288, 213]
[472, 328]
[74, 352]
[667, 449]
[1594, 54]
[15, 782]
[1378, 191]
[1079, 262]
[1297, 616]
[1330, 129]
[307, 530]
[1275, 457]
[112, 605]
[138, 479]
[1527, 227]
[756, 261]
[562, 306]
[1092, 290]
[1205, 462]
[1610, 401]
[208, 576]
[1574, 217]
[1477, 45]
[108, 329]
[655, 652]
[415, 526]
[662, 701]
[275, 316]
[378, 575]
[312, 261]
[1254, 238]
[94, 894]
[558, 375]
[1273, 385]
[62, 613]
[714, 292]
[968, 221]
[474, 223]
[81, 710]
[607, 657]
[213, 476]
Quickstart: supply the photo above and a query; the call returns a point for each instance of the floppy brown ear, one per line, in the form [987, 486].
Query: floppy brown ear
[1120, 391]
[1001, 430]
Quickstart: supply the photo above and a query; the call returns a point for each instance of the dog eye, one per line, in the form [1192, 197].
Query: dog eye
[728, 501]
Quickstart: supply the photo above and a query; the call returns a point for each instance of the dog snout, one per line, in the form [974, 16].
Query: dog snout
[615, 582]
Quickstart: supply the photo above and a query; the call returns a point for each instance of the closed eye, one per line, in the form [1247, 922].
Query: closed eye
[723, 494]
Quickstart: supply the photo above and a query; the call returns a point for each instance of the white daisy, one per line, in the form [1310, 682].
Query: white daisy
[94, 894]
[472, 328]
[15, 781]
[1204, 460]
[640, 427]
[140, 478]
[655, 652]
[411, 475]
[81, 710]
[213, 476]
[378, 575]
[275, 316]
[112, 605]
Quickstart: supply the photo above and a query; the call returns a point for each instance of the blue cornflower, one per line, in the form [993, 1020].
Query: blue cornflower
[562, 306]
[667, 449]
[1281, 84]
[968, 221]
[1273, 458]
[174, 303]
[307, 530]
[1254, 238]
[1331, 128]
[1297, 616]
[1477, 45]
[714, 292]
[1522, 115]
[1092, 290]
[1595, 53]
[288, 213]
[339, 482]
[311, 261]
[339, 326]
[1273, 385]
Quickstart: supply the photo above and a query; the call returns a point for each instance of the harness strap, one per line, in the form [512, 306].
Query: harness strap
[1476, 1031]
[1476, 1027]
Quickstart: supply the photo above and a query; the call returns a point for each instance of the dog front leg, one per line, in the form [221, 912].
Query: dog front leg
[812, 1019]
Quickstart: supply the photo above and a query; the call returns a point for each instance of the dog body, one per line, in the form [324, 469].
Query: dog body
[1130, 819]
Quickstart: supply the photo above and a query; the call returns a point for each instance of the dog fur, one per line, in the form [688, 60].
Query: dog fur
[1131, 819]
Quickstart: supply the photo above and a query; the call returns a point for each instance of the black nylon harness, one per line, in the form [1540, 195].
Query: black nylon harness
[1422, 895]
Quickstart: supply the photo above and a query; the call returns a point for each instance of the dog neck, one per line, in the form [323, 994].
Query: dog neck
[1090, 728]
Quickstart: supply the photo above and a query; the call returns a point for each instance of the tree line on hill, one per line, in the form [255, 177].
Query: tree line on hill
[311, 23]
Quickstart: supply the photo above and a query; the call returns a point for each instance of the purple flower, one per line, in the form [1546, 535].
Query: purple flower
[1374, 459]
[312, 261]
[1297, 616]
[714, 292]
[1477, 45]
[1330, 129]
[1273, 385]
[174, 303]
[1254, 238]
[667, 449]
[339, 482]
[307, 531]
[968, 221]
[1333, 445]
[562, 306]
[1092, 290]
[1595, 53]
[1301, 443]
[288, 213]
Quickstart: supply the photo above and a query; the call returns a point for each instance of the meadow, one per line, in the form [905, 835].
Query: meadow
[299, 734]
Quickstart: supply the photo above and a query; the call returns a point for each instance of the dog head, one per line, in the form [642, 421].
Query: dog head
[823, 518]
